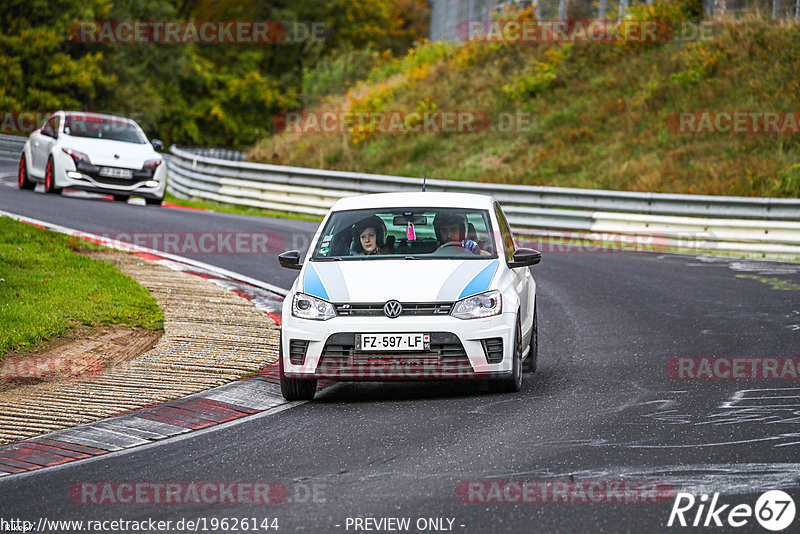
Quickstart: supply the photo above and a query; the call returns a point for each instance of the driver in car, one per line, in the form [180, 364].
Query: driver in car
[451, 231]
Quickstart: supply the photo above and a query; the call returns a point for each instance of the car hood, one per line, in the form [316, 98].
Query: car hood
[404, 280]
[102, 151]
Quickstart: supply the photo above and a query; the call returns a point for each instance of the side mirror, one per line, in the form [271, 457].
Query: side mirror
[290, 259]
[525, 257]
[157, 144]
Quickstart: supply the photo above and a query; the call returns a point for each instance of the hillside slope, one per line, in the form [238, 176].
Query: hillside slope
[603, 115]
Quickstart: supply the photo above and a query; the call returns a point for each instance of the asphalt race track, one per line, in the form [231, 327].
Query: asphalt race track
[602, 406]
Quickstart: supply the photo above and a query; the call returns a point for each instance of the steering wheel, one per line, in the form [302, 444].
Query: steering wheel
[457, 246]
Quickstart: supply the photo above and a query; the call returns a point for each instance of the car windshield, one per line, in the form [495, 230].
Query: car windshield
[109, 128]
[409, 233]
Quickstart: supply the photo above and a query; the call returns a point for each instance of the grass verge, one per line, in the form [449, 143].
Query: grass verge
[47, 288]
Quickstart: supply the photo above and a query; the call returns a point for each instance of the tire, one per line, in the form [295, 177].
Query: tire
[120, 198]
[22, 179]
[511, 383]
[153, 201]
[529, 365]
[49, 179]
[295, 389]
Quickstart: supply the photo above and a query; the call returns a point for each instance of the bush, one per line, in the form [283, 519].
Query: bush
[699, 61]
[543, 76]
[338, 71]
[787, 184]
[669, 16]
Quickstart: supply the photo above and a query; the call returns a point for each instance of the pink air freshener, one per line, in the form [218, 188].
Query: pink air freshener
[411, 235]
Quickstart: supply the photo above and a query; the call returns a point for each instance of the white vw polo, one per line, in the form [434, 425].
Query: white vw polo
[410, 286]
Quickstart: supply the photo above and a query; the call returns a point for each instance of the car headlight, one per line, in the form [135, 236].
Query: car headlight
[477, 306]
[77, 156]
[308, 307]
[82, 163]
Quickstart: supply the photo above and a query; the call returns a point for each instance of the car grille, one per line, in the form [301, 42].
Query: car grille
[114, 181]
[93, 171]
[445, 359]
[375, 309]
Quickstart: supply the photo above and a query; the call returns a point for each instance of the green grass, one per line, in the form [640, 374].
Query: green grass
[603, 122]
[232, 208]
[47, 288]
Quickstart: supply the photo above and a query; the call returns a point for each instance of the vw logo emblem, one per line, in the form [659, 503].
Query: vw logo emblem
[392, 309]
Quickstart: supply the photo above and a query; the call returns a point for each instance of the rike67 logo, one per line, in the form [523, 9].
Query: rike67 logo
[774, 510]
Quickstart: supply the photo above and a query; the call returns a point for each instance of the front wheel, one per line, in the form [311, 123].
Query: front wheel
[511, 383]
[23, 180]
[295, 389]
[50, 179]
[120, 198]
[153, 201]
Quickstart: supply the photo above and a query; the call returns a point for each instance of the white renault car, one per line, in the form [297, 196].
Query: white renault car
[410, 286]
[93, 152]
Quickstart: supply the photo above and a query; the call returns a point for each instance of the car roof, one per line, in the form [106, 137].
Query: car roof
[414, 200]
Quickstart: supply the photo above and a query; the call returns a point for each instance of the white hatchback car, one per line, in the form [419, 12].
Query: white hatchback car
[410, 286]
[93, 152]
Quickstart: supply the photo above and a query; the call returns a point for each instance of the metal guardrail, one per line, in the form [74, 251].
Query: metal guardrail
[752, 226]
[762, 226]
[11, 146]
[218, 153]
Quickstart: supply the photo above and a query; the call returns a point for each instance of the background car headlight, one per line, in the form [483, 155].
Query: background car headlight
[308, 307]
[477, 306]
[152, 164]
[77, 157]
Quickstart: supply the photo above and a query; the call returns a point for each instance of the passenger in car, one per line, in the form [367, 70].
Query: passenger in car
[369, 236]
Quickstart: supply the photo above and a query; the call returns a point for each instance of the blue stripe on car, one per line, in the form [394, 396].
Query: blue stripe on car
[459, 278]
[481, 281]
[312, 284]
[334, 281]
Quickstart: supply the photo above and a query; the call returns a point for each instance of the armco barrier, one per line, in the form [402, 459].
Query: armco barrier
[11, 146]
[768, 227]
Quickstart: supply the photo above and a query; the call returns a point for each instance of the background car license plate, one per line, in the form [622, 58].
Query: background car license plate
[114, 172]
[383, 342]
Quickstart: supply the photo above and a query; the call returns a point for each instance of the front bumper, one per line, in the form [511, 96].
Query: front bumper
[87, 178]
[457, 348]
